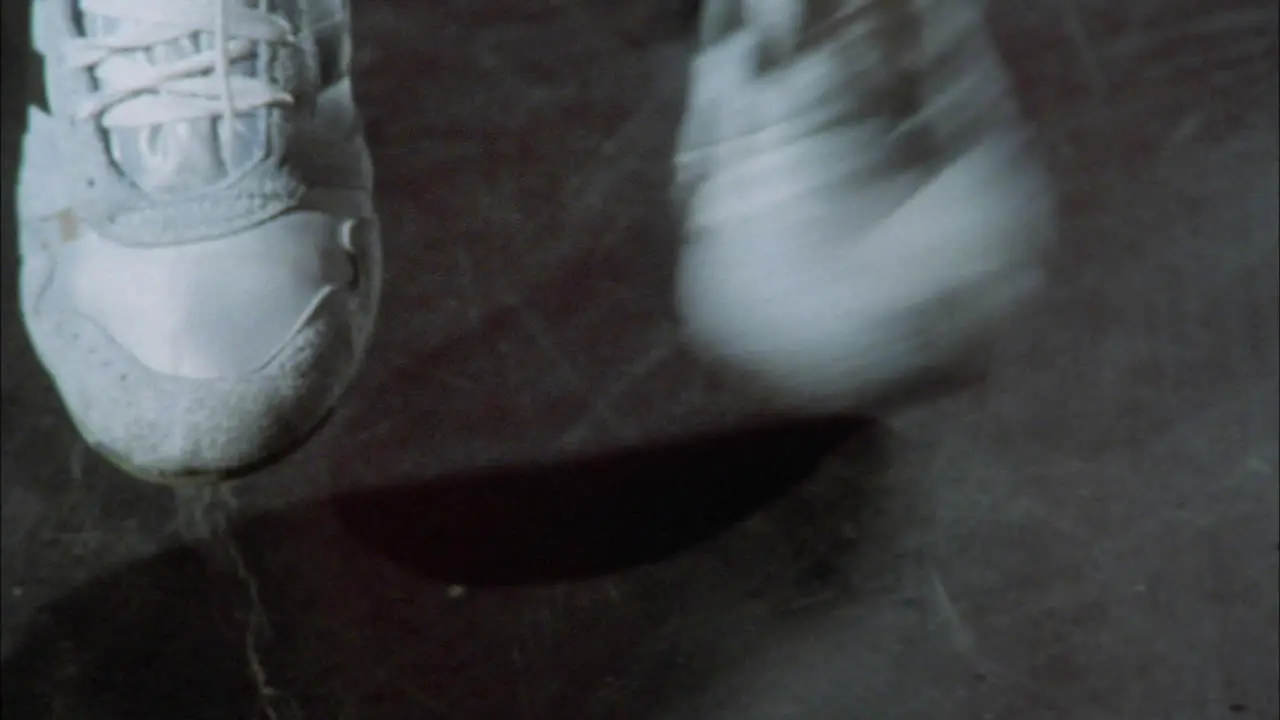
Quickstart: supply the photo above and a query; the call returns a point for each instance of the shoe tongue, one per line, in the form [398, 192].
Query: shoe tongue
[185, 155]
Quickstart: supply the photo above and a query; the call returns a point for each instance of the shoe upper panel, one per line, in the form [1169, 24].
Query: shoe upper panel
[182, 118]
[920, 74]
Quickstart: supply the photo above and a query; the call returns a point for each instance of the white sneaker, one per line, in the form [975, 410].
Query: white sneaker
[200, 256]
[861, 203]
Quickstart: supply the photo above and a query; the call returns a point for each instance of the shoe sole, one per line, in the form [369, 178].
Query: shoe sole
[193, 478]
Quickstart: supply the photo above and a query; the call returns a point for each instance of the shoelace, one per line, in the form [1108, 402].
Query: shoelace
[197, 86]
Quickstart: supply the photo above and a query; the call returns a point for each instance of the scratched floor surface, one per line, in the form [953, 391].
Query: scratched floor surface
[536, 505]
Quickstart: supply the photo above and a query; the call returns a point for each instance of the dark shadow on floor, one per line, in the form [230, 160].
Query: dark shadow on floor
[596, 515]
[167, 637]
[148, 642]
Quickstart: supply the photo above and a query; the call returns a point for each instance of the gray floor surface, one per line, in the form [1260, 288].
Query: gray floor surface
[537, 505]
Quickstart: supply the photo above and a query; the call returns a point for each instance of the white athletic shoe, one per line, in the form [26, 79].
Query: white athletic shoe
[862, 205]
[200, 254]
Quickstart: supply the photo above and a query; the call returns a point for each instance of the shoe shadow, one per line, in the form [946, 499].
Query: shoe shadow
[145, 641]
[166, 637]
[595, 515]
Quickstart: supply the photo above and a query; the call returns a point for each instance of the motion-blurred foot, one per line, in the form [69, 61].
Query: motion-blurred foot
[862, 206]
[200, 254]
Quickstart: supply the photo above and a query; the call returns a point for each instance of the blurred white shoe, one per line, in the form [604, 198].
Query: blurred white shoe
[862, 206]
[200, 254]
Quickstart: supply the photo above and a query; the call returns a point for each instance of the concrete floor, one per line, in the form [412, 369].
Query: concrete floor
[537, 505]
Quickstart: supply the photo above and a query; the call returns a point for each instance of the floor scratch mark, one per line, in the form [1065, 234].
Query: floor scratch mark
[1084, 47]
[537, 328]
